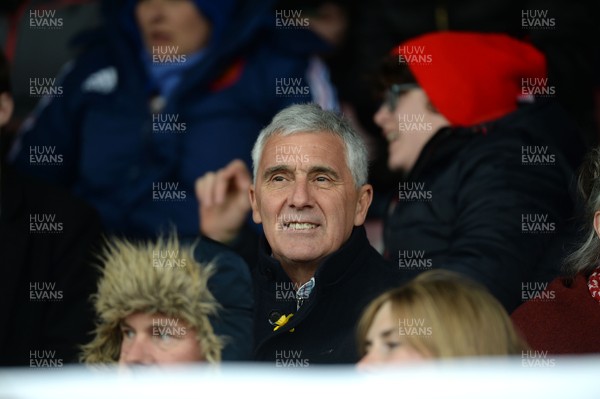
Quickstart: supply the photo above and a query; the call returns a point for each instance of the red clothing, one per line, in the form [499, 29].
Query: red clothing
[567, 324]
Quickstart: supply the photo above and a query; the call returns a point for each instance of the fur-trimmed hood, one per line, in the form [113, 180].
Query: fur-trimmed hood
[160, 276]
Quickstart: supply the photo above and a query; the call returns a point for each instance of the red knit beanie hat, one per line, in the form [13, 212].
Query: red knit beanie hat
[473, 77]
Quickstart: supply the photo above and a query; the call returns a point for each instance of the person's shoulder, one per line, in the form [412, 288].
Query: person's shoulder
[93, 52]
[231, 283]
[488, 145]
[381, 269]
[556, 296]
[224, 258]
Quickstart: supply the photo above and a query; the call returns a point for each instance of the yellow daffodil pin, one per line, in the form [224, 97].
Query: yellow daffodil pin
[282, 321]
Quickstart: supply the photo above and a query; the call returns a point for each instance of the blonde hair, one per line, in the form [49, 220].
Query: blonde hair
[133, 282]
[459, 317]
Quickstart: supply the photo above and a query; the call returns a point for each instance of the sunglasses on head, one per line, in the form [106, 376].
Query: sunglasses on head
[395, 91]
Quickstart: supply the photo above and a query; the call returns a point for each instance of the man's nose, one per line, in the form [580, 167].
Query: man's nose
[301, 194]
[138, 352]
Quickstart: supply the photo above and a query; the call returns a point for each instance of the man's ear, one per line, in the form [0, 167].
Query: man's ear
[253, 202]
[7, 106]
[365, 197]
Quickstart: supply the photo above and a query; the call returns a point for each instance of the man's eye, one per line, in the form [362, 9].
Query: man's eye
[127, 333]
[322, 179]
[278, 178]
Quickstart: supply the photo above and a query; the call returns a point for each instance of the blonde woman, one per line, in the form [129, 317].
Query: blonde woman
[439, 314]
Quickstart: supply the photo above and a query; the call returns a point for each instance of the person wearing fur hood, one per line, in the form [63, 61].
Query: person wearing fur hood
[154, 306]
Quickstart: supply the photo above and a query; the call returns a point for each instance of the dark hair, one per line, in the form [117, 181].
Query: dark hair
[388, 72]
[392, 72]
[4, 74]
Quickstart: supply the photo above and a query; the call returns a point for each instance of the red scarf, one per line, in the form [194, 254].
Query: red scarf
[594, 284]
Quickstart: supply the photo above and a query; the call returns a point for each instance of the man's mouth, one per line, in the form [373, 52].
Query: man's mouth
[299, 226]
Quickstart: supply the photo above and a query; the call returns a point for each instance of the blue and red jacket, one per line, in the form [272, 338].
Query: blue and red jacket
[114, 152]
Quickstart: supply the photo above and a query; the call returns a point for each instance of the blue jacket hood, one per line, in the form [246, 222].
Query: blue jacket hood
[250, 25]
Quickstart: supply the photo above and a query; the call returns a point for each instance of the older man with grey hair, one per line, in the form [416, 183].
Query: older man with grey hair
[316, 269]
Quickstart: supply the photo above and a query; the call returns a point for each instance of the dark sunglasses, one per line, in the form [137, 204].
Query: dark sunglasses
[395, 91]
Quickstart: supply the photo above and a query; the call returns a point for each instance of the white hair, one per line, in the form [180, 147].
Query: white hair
[311, 118]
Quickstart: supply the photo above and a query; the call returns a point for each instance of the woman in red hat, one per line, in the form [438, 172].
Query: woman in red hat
[484, 183]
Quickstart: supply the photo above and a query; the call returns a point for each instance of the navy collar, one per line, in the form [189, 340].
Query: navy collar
[330, 271]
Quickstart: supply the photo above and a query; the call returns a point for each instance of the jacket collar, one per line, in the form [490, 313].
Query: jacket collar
[333, 269]
[442, 147]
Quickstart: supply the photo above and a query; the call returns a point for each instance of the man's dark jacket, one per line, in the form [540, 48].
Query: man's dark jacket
[324, 326]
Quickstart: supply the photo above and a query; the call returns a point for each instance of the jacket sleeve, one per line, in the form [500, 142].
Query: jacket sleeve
[508, 215]
[231, 285]
[47, 144]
